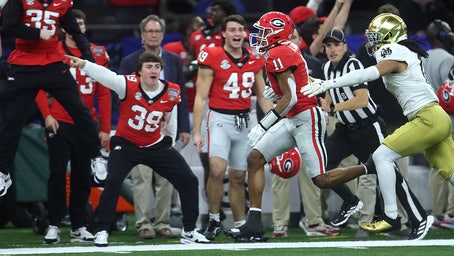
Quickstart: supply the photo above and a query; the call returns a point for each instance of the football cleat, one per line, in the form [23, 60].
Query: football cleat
[384, 225]
[419, 232]
[212, 230]
[345, 212]
[248, 232]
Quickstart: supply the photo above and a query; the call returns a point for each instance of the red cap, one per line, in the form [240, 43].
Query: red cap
[301, 13]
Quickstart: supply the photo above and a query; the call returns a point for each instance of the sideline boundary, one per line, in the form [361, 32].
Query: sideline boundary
[227, 246]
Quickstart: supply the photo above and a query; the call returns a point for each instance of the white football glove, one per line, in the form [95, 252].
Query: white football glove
[315, 86]
[269, 94]
[255, 134]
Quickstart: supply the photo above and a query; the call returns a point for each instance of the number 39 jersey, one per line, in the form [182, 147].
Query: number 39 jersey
[233, 79]
[141, 117]
[281, 58]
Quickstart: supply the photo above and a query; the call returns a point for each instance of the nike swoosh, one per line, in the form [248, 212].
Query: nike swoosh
[251, 62]
[57, 4]
[163, 101]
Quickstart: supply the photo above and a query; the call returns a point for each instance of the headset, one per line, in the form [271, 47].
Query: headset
[443, 29]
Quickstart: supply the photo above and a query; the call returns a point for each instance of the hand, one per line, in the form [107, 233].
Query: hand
[315, 86]
[269, 94]
[255, 134]
[45, 34]
[75, 62]
[198, 141]
[104, 138]
[51, 124]
[185, 138]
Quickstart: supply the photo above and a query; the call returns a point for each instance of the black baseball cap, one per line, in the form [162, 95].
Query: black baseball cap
[335, 34]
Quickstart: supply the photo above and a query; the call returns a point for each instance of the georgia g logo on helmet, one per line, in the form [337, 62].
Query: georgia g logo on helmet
[278, 23]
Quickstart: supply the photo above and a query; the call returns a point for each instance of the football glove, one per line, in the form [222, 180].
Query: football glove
[255, 134]
[269, 94]
[315, 87]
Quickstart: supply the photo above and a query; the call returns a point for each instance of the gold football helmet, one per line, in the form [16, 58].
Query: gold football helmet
[385, 28]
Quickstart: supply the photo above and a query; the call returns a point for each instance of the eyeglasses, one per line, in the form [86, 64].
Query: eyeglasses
[152, 31]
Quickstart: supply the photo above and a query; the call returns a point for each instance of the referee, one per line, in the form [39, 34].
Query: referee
[358, 130]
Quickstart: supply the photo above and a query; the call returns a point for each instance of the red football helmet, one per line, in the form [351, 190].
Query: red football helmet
[273, 27]
[286, 165]
[446, 96]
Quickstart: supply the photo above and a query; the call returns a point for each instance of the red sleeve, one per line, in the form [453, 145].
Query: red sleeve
[43, 103]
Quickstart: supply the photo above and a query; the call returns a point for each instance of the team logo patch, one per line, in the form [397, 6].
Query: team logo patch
[173, 93]
[278, 23]
[97, 50]
[386, 52]
[30, 2]
[225, 64]
[138, 96]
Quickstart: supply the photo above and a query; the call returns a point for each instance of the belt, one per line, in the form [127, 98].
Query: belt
[360, 123]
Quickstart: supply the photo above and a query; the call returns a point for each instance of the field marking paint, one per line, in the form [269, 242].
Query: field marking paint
[227, 246]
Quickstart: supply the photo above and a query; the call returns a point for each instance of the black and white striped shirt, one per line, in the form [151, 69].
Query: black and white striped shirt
[347, 64]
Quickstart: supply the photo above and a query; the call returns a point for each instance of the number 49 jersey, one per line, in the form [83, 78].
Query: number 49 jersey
[141, 117]
[233, 79]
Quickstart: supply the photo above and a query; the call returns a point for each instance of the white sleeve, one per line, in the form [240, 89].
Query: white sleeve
[171, 122]
[106, 77]
[355, 77]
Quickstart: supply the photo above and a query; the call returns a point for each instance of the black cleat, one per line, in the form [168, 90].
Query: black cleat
[346, 210]
[248, 232]
[212, 230]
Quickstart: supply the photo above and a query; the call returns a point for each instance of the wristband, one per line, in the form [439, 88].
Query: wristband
[271, 118]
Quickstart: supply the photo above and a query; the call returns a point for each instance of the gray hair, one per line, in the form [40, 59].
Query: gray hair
[152, 17]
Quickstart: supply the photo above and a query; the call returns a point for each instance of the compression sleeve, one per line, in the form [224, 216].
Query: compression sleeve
[356, 77]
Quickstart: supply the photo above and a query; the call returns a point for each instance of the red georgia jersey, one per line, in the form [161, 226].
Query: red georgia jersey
[40, 52]
[88, 88]
[141, 118]
[282, 57]
[232, 84]
[199, 41]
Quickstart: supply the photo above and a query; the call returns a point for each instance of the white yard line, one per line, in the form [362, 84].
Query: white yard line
[229, 246]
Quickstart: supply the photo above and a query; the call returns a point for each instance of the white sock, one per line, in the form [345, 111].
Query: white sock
[215, 216]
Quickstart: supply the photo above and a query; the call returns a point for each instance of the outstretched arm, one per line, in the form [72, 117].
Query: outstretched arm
[106, 77]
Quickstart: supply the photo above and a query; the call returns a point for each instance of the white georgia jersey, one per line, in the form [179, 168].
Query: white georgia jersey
[410, 87]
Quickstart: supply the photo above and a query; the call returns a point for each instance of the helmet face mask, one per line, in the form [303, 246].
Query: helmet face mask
[272, 28]
[384, 29]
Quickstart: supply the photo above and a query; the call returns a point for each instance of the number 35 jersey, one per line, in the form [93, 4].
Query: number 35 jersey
[233, 79]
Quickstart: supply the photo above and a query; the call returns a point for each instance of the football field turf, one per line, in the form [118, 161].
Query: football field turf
[438, 242]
